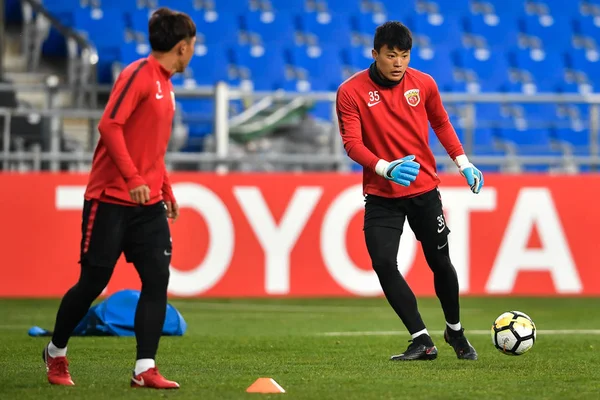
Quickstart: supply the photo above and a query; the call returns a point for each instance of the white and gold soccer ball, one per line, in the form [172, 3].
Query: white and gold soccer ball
[513, 333]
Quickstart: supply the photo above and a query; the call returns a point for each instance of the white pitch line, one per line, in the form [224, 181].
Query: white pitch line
[258, 307]
[468, 332]
[9, 327]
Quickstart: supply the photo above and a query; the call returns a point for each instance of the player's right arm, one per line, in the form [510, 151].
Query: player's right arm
[128, 91]
[402, 171]
[350, 125]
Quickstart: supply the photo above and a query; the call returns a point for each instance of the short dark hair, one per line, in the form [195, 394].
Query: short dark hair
[394, 34]
[166, 28]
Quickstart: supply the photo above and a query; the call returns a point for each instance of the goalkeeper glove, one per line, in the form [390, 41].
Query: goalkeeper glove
[402, 171]
[473, 176]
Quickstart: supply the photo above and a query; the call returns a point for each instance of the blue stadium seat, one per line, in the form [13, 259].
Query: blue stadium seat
[558, 8]
[365, 24]
[357, 58]
[557, 35]
[579, 140]
[582, 62]
[490, 114]
[436, 62]
[209, 64]
[529, 141]
[198, 115]
[266, 67]
[490, 68]
[438, 31]
[132, 51]
[238, 7]
[309, 62]
[484, 144]
[508, 7]
[573, 113]
[483, 140]
[334, 28]
[138, 22]
[223, 27]
[395, 10]
[272, 27]
[539, 113]
[106, 30]
[129, 6]
[343, 6]
[589, 28]
[443, 7]
[186, 6]
[61, 6]
[546, 69]
[499, 32]
[296, 6]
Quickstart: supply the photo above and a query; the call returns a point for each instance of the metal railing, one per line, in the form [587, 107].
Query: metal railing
[334, 158]
[82, 56]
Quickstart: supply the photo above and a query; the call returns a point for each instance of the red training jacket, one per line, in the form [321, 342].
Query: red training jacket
[134, 134]
[378, 122]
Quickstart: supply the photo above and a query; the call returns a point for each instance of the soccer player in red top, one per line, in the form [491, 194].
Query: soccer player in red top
[129, 200]
[383, 114]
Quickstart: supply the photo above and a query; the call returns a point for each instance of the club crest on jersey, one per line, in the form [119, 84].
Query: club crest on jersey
[412, 97]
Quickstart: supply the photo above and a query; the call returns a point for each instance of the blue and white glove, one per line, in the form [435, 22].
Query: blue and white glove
[473, 176]
[403, 171]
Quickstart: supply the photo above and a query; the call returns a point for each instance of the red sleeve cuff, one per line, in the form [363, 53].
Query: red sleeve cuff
[134, 182]
[168, 194]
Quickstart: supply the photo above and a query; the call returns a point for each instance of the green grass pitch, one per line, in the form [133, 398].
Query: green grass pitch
[305, 346]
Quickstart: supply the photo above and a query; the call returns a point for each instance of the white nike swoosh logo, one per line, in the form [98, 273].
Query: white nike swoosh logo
[159, 96]
[167, 253]
[139, 382]
[442, 246]
[373, 104]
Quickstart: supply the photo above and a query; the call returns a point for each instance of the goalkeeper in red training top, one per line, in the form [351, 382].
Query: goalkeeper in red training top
[128, 199]
[383, 114]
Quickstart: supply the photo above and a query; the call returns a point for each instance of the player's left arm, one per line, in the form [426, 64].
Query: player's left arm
[441, 125]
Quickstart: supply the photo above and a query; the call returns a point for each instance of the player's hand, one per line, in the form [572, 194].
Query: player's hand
[474, 177]
[140, 194]
[403, 171]
[172, 211]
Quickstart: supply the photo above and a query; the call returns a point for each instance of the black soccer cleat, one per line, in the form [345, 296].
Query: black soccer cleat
[418, 349]
[464, 350]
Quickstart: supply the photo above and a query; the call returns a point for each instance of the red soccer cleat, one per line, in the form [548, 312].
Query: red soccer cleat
[57, 369]
[152, 379]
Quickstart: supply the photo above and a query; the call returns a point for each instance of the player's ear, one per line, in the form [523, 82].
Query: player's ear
[374, 53]
[182, 47]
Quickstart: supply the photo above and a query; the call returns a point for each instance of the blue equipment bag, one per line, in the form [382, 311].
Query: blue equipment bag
[115, 316]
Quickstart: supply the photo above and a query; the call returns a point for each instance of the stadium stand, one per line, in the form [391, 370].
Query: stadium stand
[473, 46]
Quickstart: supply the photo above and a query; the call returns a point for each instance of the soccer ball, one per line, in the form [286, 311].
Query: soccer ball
[513, 333]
